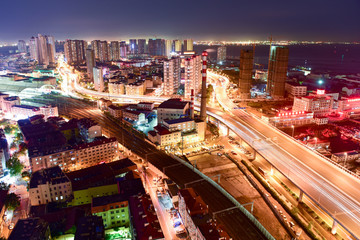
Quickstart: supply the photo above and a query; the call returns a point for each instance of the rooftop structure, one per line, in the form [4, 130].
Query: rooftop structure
[30, 229]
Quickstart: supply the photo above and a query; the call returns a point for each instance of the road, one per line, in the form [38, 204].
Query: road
[336, 191]
[236, 223]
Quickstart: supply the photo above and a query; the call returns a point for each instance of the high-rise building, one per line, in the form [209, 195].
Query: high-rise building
[90, 62]
[75, 51]
[156, 47]
[123, 49]
[98, 79]
[168, 48]
[32, 48]
[171, 76]
[245, 77]
[133, 46]
[141, 46]
[177, 46]
[21, 46]
[42, 49]
[277, 70]
[188, 45]
[221, 54]
[192, 75]
[101, 50]
[114, 51]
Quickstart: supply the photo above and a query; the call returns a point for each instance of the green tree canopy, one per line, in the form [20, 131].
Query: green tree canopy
[12, 201]
[15, 166]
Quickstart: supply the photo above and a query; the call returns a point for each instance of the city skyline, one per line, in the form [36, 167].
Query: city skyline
[229, 21]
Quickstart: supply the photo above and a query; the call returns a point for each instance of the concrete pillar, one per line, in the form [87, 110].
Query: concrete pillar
[334, 227]
[301, 196]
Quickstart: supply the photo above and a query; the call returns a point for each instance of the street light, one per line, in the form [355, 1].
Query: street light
[293, 129]
[315, 142]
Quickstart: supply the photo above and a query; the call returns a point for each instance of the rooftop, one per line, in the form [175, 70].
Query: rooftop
[106, 200]
[27, 107]
[52, 175]
[174, 103]
[90, 228]
[178, 120]
[162, 130]
[30, 229]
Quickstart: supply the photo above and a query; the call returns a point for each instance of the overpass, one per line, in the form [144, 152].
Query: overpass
[335, 189]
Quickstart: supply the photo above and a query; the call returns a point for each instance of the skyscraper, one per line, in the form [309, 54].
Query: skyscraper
[114, 51]
[277, 70]
[21, 46]
[133, 46]
[123, 49]
[42, 49]
[33, 48]
[221, 54]
[90, 63]
[75, 51]
[171, 76]
[101, 50]
[98, 79]
[141, 46]
[245, 76]
[192, 75]
[177, 46]
[168, 48]
[156, 47]
[188, 45]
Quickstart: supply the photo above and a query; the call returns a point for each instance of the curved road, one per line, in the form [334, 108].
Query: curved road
[336, 191]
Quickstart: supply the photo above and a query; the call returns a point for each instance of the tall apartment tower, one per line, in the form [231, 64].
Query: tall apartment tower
[245, 77]
[133, 46]
[21, 46]
[90, 62]
[172, 69]
[101, 50]
[141, 46]
[168, 48]
[188, 45]
[42, 49]
[156, 47]
[177, 46]
[33, 48]
[123, 49]
[192, 68]
[277, 70]
[75, 51]
[221, 54]
[114, 51]
[98, 79]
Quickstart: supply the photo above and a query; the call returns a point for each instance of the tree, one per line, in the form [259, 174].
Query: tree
[7, 129]
[12, 201]
[209, 91]
[14, 165]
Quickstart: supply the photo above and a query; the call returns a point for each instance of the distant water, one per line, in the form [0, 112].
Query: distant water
[335, 58]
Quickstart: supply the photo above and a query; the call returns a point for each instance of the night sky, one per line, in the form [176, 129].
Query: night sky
[332, 20]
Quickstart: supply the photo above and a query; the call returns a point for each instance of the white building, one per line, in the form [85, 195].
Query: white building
[349, 107]
[135, 89]
[192, 75]
[8, 102]
[89, 129]
[77, 157]
[98, 79]
[320, 105]
[295, 90]
[42, 49]
[168, 48]
[172, 108]
[49, 185]
[290, 119]
[171, 76]
[117, 88]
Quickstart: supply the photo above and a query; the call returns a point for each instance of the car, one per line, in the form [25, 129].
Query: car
[291, 224]
[219, 154]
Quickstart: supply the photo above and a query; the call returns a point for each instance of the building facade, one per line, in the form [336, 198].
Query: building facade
[245, 75]
[278, 63]
[192, 75]
[75, 51]
[172, 70]
[221, 54]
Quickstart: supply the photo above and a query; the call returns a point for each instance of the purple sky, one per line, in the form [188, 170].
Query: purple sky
[332, 20]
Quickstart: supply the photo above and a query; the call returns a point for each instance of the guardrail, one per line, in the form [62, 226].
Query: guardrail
[230, 197]
[299, 143]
